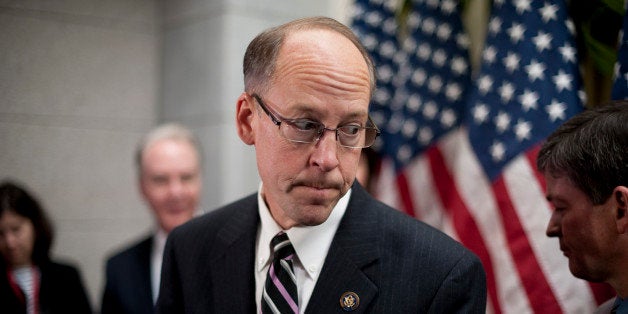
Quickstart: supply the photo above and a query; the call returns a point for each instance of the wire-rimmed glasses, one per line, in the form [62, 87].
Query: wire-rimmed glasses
[310, 131]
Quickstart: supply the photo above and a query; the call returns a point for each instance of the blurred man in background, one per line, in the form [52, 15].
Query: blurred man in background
[169, 170]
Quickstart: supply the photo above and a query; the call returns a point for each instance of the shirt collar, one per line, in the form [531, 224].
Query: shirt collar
[159, 241]
[311, 243]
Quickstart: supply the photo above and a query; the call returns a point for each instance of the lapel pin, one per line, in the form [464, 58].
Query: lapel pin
[349, 301]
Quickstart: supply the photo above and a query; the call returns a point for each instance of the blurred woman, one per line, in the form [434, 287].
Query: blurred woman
[29, 281]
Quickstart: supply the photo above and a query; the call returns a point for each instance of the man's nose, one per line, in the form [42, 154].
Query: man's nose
[325, 153]
[553, 226]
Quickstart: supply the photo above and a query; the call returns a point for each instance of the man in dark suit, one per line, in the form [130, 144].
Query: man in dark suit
[308, 84]
[168, 164]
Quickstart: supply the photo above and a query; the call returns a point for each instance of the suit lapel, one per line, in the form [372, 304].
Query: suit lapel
[351, 264]
[143, 269]
[232, 265]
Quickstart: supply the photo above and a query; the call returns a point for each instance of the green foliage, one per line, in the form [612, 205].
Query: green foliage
[598, 23]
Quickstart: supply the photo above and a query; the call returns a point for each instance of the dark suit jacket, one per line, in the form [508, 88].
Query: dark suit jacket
[128, 288]
[61, 291]
[394, 263]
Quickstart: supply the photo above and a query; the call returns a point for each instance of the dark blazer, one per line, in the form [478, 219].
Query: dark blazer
[394, 263]
[128, 288]
[61, 291]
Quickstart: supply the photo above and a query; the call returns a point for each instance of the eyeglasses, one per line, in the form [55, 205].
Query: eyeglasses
[309, 131]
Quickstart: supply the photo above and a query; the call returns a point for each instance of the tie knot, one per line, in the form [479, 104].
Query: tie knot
[281, 246]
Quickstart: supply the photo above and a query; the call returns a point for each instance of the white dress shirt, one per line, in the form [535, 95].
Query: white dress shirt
[156, 257]
[310, 243]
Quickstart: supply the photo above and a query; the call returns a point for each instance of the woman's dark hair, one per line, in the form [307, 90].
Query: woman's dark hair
[16, 199]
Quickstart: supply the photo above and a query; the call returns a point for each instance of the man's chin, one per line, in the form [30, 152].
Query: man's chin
[314, 215]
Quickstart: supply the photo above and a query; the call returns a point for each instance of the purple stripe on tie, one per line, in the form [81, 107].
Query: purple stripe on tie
[282, 289]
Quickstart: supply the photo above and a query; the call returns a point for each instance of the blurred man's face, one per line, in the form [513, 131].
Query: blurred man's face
[587, 233]
[170, 181]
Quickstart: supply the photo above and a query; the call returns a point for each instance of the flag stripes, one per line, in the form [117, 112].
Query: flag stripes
[460, 154]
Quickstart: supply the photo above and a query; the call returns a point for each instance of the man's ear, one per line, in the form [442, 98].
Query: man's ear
[620, 193]
[244, 118]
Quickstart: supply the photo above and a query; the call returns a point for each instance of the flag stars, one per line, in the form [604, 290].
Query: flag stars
[511, 62]
[522, 6]
[387, 5]
[440, 57]
[495, 25]
[430, 3]
[448, 6]
[429, 26]
[459, 66]
[453, 91]
[390, 26]
[357, 10]
[418, 77]
[373, 19]
[409, 128]
[448, 118]
[430, 110]
[435, 83]
[529, 100]
[425, 135]
[562, 81]
[424, 51]
[516, 32]
[506, 91]
[384, 73]
[570, 26]
[480, 113]
[378, 118]
[556, 110]
[502, 122]
[485, 84]
[401, 60]
[409, 44]
[414, 103]
[568, 53]
[535, 70]
[489, 55]
[404, 153]
[382, 95]
[414, 19]
[523, 130]
[462, 40]
[497, 151]
[387, 49]
[542, 41]
[548, 12]
[370, 42]
[444, 32]
[395, 123]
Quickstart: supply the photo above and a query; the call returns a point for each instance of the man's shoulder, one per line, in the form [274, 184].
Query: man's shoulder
[133, 250]
[398, 229]
[211, 222]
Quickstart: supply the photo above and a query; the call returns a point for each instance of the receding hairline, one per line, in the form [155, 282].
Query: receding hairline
[169, 131]
[260, 77]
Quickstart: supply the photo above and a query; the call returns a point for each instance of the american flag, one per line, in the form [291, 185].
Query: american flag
[620, 87]
[459, 150]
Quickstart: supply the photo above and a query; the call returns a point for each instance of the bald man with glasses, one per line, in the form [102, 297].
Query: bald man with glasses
[312, 240]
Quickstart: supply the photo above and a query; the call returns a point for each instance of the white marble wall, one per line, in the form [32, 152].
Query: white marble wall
[81, 81]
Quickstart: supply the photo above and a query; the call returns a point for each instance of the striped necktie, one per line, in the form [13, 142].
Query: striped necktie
[280, 289]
